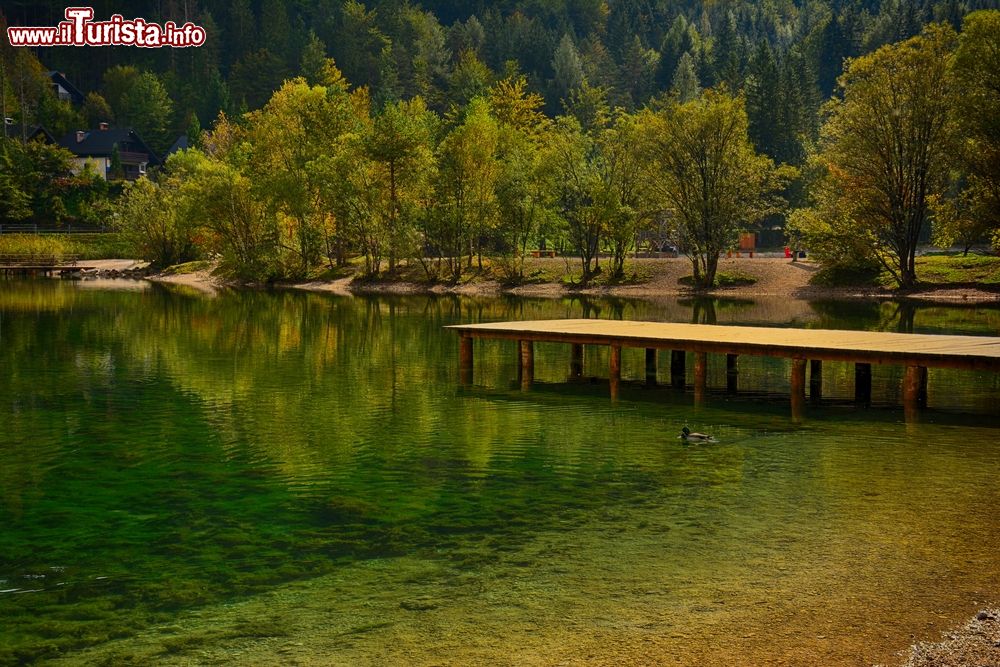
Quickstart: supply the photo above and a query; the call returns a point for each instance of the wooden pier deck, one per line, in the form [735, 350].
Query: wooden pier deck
[31, 269]
[916, 352]
[27, 264]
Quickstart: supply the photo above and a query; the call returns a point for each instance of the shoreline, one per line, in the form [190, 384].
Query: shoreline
[975, 643]
[660, 280]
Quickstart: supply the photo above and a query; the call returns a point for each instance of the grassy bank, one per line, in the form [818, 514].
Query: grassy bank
[951, 270]
[59, 246]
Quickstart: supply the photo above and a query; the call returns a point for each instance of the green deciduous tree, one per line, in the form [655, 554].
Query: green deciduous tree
[523, 184]
[466, 186]
[623, 195]
[299, 125]
[570, 158]
[976, 68]
[707, 180]
[152, 221]
[886, 146]
[398, 144]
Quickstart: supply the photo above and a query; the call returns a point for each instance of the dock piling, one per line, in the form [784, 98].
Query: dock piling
[862, 383]
[815, 380]
[732, 373]
[615, 370]
[678, 372]
[527, 366]
[650, 367]
[465, 359]
[798, 382]
[915, 387]
[576, 360]
[700, 376]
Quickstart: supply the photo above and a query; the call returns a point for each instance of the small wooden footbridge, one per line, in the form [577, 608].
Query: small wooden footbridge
[805, 347]
[33, 265]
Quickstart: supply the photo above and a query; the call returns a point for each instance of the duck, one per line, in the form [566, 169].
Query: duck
[686, 434]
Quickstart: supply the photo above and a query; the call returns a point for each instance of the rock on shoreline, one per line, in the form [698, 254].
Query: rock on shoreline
[977, 644]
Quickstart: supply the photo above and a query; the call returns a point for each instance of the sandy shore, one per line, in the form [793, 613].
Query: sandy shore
[657, 278]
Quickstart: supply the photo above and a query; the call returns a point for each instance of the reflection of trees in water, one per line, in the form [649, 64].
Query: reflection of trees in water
[705, 310]
[908, 316]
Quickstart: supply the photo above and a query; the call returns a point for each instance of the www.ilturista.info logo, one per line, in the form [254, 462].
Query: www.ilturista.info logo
[79, 30]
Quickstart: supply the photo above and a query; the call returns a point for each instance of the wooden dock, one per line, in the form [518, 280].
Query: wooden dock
[31, 265]
[916, 352]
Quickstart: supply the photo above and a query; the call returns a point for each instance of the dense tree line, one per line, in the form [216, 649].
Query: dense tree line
[785, 55]
[472, 130]
[322, 172]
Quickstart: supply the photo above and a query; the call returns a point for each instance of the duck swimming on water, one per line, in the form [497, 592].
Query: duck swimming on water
[686, 434]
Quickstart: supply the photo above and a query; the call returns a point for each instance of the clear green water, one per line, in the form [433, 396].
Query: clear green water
[284, 478]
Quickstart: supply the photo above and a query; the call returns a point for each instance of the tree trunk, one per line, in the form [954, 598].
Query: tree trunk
[711, 268]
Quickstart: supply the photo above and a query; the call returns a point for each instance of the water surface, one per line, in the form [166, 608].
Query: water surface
[268, 478]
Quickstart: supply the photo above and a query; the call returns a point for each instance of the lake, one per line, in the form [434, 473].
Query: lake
[299, 478]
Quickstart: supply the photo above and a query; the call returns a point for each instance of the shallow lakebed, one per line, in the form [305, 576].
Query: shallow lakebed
[277, 478]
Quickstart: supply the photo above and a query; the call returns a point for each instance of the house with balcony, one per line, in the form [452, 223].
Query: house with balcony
[65, 90]
[103, 147]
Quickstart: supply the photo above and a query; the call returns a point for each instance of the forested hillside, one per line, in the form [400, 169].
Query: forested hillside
[442, 134]
[784, 54]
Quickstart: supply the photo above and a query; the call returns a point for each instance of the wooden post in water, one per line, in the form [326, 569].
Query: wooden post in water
[650, 367]
[732, 373]
[915, 387]
[677, 370]
[465, 359]
[798, 388]
[615, 370]
[700, 376]
[576, 360]
[815, 380]
[527, 366]
[863, 383]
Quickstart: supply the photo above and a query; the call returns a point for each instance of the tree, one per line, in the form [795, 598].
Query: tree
[150, 219]
[399, 146]
[886, 145]
[145, 106]
[360, 43]
[523, 184]
[622, 194]
[976, 68]
[963, 219]
[639, 66]
[469, 79]
[299, 125]
[685, 81]
[727, 53]
[313, 60]
[589, 106]
[255, 76]
[707, 180]
[35, 181]
[96, 110]
[567, 68]
[467, 173]
[570, 158]
[118, 80]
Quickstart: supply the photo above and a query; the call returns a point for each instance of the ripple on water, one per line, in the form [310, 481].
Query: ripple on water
[281, 476]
